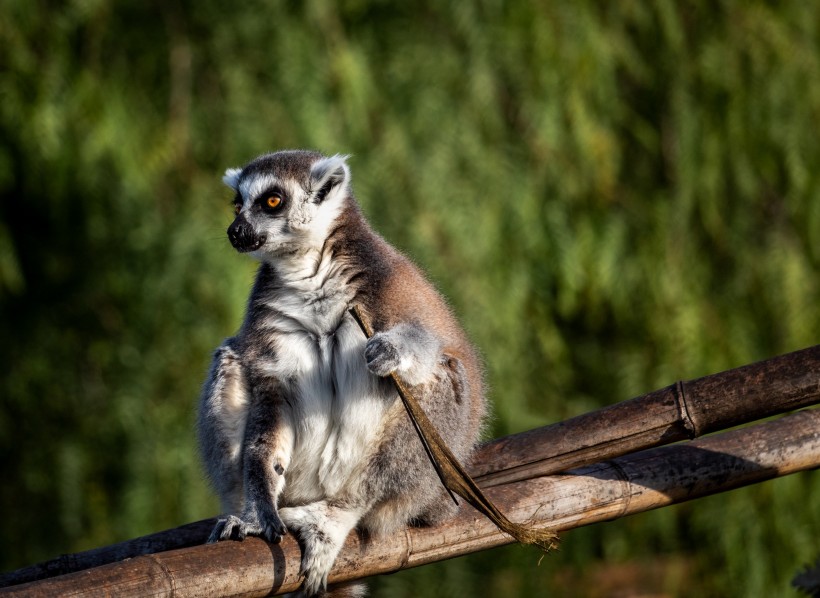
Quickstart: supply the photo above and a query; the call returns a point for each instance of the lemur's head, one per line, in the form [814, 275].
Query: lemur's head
[286, 202]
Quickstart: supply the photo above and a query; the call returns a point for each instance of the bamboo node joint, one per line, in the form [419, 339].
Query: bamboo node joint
[683, 410]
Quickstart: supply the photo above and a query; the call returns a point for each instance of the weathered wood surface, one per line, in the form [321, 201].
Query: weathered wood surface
[630, 484]
[678, 412]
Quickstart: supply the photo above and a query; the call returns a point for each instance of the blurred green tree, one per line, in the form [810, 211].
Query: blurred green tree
[628, 193]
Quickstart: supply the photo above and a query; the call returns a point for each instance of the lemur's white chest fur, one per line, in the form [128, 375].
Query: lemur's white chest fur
[336, 404]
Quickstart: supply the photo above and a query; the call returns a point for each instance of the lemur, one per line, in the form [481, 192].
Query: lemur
[300, 427]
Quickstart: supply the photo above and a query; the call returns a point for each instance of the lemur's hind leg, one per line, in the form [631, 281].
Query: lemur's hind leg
[321, 528]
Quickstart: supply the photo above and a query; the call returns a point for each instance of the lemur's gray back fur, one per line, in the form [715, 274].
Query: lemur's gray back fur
[298, 425]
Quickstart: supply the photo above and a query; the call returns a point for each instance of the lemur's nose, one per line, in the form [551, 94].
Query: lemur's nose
[242, 235]
[237, 230]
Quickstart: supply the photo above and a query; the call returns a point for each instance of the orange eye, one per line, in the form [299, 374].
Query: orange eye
[237, 208]
[273, 201]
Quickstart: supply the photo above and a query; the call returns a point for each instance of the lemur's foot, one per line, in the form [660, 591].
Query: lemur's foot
[321, 530]
[232, 527]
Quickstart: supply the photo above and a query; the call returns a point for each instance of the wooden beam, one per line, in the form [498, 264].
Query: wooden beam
[630, 484]
[682, 411]
[678, 412]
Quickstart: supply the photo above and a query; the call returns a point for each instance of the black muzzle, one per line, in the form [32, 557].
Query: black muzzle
[243, 237]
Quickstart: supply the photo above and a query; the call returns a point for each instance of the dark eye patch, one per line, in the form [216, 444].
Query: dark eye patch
[262, 199]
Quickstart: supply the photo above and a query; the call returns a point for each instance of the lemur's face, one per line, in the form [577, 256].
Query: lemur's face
[285, 202]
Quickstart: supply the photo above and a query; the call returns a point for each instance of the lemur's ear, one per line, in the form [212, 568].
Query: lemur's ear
[327, 176]
[231, 178]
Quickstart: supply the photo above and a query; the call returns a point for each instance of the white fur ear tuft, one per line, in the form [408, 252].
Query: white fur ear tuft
[231, 178]
[329, 174]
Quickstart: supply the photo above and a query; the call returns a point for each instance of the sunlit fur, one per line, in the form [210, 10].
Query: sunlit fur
[297, 423]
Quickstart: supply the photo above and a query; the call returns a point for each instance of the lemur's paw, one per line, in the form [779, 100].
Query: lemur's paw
[228, 528]
[381, 355]
[320, 537]
[272, 529]
[317, 560]
[269, 527]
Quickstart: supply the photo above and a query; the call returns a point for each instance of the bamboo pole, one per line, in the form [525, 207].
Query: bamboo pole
[183, 536]
[682, 411]
[677, 412]
[604, 491]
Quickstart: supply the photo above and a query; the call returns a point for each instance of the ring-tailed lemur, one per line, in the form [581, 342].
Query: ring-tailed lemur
[299, 427]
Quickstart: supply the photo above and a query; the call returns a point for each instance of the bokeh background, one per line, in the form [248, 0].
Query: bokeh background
[613, 195]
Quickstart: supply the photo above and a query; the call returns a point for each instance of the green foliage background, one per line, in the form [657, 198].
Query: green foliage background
[614, 195]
